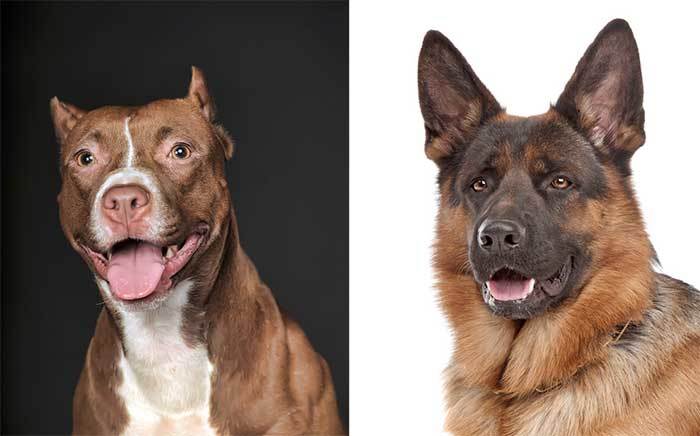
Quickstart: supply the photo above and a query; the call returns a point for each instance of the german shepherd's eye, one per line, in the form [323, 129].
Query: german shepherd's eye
[180, 151]
[85, 158]
[561, 182]
[479, 184]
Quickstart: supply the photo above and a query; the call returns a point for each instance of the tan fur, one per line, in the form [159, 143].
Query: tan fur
[618, 354]
[567, 372]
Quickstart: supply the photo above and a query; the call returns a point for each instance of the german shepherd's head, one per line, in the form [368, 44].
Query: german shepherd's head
[534, 209]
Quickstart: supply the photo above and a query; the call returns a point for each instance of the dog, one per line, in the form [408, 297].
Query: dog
[561, 323]
[190, 341]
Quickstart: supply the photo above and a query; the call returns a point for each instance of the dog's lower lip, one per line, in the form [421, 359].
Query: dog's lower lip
[554, 285]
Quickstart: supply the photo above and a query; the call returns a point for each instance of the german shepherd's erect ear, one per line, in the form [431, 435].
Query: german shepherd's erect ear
[453, 100]
[603, 99]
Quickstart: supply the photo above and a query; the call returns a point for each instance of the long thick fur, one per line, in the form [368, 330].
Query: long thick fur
[621, 359]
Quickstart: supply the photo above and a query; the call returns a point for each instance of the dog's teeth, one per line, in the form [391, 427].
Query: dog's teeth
[172, 251]
[530, 286]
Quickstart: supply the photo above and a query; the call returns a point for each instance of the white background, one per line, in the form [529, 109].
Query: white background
[524, 53]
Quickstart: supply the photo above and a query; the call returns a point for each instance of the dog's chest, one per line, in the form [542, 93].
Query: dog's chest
[166, 383]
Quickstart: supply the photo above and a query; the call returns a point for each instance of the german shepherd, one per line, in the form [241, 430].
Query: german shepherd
[545, 272]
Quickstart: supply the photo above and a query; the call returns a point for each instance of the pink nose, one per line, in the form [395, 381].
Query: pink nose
[126, 205]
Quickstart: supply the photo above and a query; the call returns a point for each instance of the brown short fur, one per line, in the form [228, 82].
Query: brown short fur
[267, 378]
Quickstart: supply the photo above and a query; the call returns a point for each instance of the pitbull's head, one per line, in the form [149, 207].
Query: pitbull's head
[144, 193]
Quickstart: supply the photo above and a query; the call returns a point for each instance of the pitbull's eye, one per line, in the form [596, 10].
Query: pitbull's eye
[85, 158]
[180, 151]
[479, 184]
[561, 182]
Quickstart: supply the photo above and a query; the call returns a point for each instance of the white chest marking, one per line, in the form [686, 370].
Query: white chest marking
[166, 384]
[130, 144]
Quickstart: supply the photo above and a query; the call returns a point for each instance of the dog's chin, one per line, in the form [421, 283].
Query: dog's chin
[145, 304]
[516, 295]
[138, 274]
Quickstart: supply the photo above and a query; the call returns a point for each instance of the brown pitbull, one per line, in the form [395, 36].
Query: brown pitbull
[191, 341]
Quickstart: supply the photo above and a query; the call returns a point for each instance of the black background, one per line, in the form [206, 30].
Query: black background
[279, 75]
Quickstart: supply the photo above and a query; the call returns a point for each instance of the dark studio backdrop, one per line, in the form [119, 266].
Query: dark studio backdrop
[279, 75]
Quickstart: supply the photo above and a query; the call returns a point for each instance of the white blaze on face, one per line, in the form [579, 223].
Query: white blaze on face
[130, 144]
[129, 173]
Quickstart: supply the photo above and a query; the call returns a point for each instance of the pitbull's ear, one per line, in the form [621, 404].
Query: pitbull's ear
[199, 94]
[603, 98]
[65, 116]
[453, 100]
[225, 140]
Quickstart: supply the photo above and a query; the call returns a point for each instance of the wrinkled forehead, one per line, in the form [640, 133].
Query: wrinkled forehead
[537, 144]
[165, 117]
[142, 126]
[104, 125]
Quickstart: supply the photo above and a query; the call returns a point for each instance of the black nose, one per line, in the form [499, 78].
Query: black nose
[502, 235]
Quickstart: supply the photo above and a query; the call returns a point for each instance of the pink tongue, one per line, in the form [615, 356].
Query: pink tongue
[507, 290]
[135, 270]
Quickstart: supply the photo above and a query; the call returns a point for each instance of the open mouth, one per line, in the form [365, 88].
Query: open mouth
[135, 268]
[509, 285]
